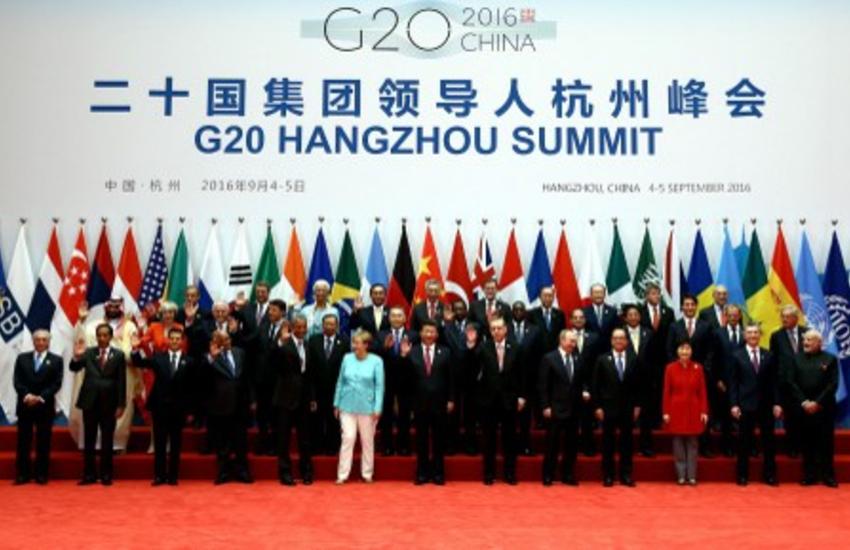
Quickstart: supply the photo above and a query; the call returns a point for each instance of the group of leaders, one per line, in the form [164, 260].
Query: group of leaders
[460, 376]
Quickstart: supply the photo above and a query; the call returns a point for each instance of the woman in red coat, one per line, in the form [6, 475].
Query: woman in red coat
[685, 411]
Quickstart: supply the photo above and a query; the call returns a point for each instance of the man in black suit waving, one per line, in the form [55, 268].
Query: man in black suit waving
[601, 317]
[324, 355]
[169, 401]
[433, 383]
[228, 405]
[562, 386]
[295, 400]
[754, 398]
[37, 378]
[499, 392]
[480, 311]
[396, 385]
[373, 318]
[102, 397]
[617, 392]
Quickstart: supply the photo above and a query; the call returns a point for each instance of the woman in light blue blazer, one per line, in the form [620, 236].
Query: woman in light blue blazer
[357, 404]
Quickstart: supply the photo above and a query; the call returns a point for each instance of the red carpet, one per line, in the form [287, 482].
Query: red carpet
[196, 514]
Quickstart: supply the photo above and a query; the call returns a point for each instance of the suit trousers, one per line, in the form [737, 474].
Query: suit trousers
[229, 439]
[299, 419]
[352, 424]
[493, 419]
[561, 434]
[617, 435]
[747, 440]
[430, 443]
[817, 433]
[40, 420]
[167, 442]
[99, 416]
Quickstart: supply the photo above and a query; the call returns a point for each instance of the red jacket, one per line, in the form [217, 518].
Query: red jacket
[684, 398]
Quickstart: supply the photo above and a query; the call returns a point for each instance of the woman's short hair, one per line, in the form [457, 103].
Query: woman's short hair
[363, 335]
[168, 306]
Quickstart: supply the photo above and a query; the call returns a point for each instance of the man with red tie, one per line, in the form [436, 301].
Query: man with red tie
[433, 381]
[102, 397]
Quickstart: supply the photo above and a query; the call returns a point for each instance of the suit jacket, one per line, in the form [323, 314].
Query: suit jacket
[557, 323]
[783, 350]
[494, 388]
[293, 388]
[364, 318]
[614, 396]
[709, 315]
[478, 314]
[325, 370]
[814, 376]
[172, 390]
[107, 384]
[557, 389]
[250, 315]
[396, 376]
[604, 326]
[419, 314]
[262, 344]
[45, 383]
[431, 393]
[644, 343]
[657, 352]
[722, 360]
[701, 341]
[228, 392]
[531, 350]
[590, 349]
[751, 390]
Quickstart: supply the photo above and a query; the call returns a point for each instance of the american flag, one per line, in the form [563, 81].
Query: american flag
[156, 273]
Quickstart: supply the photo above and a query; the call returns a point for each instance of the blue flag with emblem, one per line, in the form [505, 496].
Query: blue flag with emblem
[836, 293]
[12, 336]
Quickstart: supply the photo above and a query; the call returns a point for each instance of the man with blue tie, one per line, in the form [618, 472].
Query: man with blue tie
[617, 384]
[37, 378]
[228, 406]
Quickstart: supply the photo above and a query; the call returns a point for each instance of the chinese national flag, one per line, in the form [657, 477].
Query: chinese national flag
[564, 278]
[429, 267]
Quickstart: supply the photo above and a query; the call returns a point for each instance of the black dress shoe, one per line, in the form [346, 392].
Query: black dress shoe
[172, 481]
[608, 482]
[728, 453]
[831, 482]
[285, 479]
[21, 480]
[245, 477]
[527, 452]
[439, 480]
[221, 479]
[647, 453]
[41, 480]
[106, 481]
[589, 453]
[547, 481]
[157, 481]
[511, 479]
[627, 481]
[488, 480]
[420, 480]
[404, 452]
[569, 480]
[470, 450]
[807, 482]
[707, 453]
[742, 481]
[88, 480]
[772, 481]
[388, 452]
[307, 479]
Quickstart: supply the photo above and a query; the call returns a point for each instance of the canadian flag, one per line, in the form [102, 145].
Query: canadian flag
[458, 283]
[512, 283]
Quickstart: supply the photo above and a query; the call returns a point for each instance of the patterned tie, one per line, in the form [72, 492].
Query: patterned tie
[620, 366]
[792, 334]
[568, 364]
[231, 363]
[173, 362]
[427, 360]
[656, 319]
[756, 361]
[431, 310]
[38, 361]
[396, 341]
[102, 358]
[500, 355]
[329, 347]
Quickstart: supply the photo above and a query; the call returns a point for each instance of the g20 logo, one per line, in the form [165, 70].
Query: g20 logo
[340, 31]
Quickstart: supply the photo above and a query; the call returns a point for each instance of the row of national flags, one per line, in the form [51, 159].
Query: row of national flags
[53, 299]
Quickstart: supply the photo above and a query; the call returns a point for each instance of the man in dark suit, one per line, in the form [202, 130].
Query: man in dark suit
[813, 380]
[396, 385]
[373, 318]
[587, 347]
[656, 316]
[432, 372]
[294, 399]
[102, 397]
[480, 311]
[499, 394]
[562, 386]
[530, 339]
[256, 311]
[728, 338]
[715, 314]
[701, 338]
[640, 344]
[37, 378]
[430, 309]
[550, 319]
[325, 352]
[785, 344]
[754, 399]
[601, 317]
[617, 387]
[169, 402]
[263, 343]
[228, 404]
[453, 335]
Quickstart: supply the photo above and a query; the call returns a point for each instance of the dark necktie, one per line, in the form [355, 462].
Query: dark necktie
[329, 347]
[548, 319]
[620, 366]
[102, 358]
[568, 364]
[756, 361]
[173, 362]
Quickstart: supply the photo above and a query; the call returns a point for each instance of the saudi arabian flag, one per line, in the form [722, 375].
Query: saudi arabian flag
[180, 273]
[268, 270]
[346, 282]
[618, 280]
[647, 270]
[760, 304]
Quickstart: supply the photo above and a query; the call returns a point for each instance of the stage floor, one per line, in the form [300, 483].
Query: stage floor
[394, 514]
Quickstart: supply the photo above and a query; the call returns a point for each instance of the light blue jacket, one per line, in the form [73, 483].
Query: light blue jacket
[360, 386]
